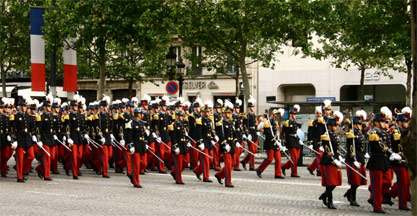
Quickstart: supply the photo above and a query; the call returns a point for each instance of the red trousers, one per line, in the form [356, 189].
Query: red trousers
[315, 164]
[238, 152]
[204, 166]
[401, 187]
[167, 157]
[127, 161]
[5, 155]
[376, 187]
[104, 158]
[24, 161]
[294, 154]
[180, 162]
[353, 177]
[150, 156]
[194, 155]
[86, 155]
[54, 158]
[226, 172]
[137, 163]
[331, 175]
[74, 158]
[163, 152]
[271, 154]
[216, 157]
[251, 159]
[45, 166]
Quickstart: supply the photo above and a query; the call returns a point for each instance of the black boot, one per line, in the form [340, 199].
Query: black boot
[347, 195]
[353, 196]
[323, 198]
[387, 200]
[330, 201]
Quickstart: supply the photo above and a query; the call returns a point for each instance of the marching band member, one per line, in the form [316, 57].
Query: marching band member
[292, 141]
[316, 128]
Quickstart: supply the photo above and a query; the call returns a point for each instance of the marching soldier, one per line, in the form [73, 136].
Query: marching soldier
[180, 146]
[56, 125]
[194, 129]
[6, 141]
[272, 146]
[23, 132]
[330, 165]
[316, 128]
[218, 127]
[292, 141]
[355, 157]
[74, 138]
[105, 136]
[237, 121]
[249, 124]
[227, 146]
[163, 120]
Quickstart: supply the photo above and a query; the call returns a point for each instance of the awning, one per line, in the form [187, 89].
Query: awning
[9, 90]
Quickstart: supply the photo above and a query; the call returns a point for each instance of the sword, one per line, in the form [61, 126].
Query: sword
[342, 149]
[354, 170]
[94, 143]
[115, 141]
[115, 145]
[310, 148]
[288, 157]
[196, 148]
[155, 154]
[59, 141]
[249, 151]
[251, 141]
[45, 150]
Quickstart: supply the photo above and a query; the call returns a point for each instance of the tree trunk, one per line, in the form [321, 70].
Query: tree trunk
[3, 78]
[361, 85]
[129, 92]
[245, 79]
[237, 90]
[102, 79]
[409, 64]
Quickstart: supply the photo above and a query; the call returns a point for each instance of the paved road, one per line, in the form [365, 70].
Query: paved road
[93, 195]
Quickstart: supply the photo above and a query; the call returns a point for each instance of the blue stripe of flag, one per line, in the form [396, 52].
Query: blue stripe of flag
[36, 20]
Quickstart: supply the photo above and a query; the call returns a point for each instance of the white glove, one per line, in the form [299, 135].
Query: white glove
[103, 140]
[147, 147]
[216, 138]
[112, 137]
[40, 144]
[186, 134]
[122, 142]
[86, 136]
[283, 148]
[367, 156]
[227, 148]
[249, 137]
[34, 138]
[14, 145]
[310, 146]
[64, 138]
[128, 125]
[321, 149]
[147, 132]
[70, 141]
[189, 145]
[132, 150]
[201, 146]
[9, 139]
[55, 137]
[244, 136]
[341, 159]
[238, 145]
[337, 163]
[301, 142]
[258, 133]
[394, 156]
[158, 140]
[357, 165]
[177, 151]
[154, 135]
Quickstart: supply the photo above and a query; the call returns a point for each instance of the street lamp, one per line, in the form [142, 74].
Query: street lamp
[171, 58]
[181, 70]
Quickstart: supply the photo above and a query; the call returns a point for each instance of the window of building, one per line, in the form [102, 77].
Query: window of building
[196, 61]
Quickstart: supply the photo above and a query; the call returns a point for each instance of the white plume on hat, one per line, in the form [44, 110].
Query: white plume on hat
[251, 100]
[386, 112]
[27, 99]
[157, 100]
[297, 108]
[125, 100]
[64, 104]
[11, 101]
[319, 109]
[114, 102]
[187, 104]
[228, 104]
[57, 100]
[76, 98]
[327, 103]
[36, 103]
[165, 98]
[362, 114]
[181, 100]
[106, 98]
[220, 101]
[238, 102]
[407, 111]
[135, 100]
[49, 98]
[198, 100]
[208, 103]
[339, 117]
[82, 100]
[146, 97]
[281, 111]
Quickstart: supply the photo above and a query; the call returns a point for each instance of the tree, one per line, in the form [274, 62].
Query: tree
[354, 37]
[242, 30]
[14, 38]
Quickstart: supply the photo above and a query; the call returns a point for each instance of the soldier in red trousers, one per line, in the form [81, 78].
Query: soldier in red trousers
[180, 146]
[292, 141]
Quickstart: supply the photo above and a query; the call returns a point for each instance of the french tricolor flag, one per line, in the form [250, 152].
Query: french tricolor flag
[70, 67]
[37, 49]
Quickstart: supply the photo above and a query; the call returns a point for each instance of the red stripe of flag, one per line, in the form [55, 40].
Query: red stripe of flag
[38, 77]
[70, 78]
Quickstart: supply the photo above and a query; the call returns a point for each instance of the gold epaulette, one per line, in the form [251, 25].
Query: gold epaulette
[244, 116]
[219, 123]
[266, 124]
[310, 124]
[115, 116]
[396, 135]
[324, 137]
[199, 121]
[374, 137]
[90, 118]
[211, 118]
[95, 117]
[121, 116]
[321, 120]
[287, 123]
[186, 119]
[350, 135]
[38, 118]
[191, 115]
[155, 117]
[171, 127]
[11, 118]
[173, 116]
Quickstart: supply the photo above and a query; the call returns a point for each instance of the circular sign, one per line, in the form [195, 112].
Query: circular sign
[172, 87]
